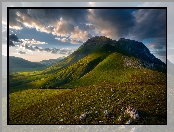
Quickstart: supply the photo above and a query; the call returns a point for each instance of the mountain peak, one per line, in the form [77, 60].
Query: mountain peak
[97, 40]
[124, 46]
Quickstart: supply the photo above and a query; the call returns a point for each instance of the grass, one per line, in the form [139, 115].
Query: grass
[66, 108]
[26, 98]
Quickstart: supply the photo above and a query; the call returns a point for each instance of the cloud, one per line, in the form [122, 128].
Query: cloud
[66, 51]
[157, 43]
[13, 37]
[75, 34]
[32, 41]
[150, 23]
[54, 50]
[112, 23]
[11, 44]
[64, 40]
[29, 48]
[36, 47]
[80, 35]
[47, 49]
[77, 25]
[13, 21]
[59, 22]
[159, 52]
[74, 41]
[21, 52]
[63, 28]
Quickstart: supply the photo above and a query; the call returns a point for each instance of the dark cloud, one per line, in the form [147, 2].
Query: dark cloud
[11, 44]
[57, 51]
[13, 37]
[47, 49]
[14, 17]
[111, 22]
[75, 16]
[150, 23]
[41, 50]
[54, 51]
[21, 52]
[36, 47]
[157, 43]
[161, 53]
[47, 17]
[87, 27]
[29, 47]
[77, 25]
[59, 22]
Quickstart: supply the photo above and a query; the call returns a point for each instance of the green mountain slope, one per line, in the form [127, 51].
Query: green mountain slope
[103, 64]
[97, 84]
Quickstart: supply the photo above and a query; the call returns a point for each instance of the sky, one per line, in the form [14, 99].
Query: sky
[37, 34]
[170, 53]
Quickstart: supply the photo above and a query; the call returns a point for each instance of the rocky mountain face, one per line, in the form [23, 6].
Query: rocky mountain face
[124, 46]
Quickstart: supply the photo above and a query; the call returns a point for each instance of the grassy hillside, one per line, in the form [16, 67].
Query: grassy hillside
[67, 107]
[26, 98]
[100, 83]
[101, 65]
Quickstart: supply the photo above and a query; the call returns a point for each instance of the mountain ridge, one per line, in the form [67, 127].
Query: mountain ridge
[124, 46]
[72, 68]
[17, 64]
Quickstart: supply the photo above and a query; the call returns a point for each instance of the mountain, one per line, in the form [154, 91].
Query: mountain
[103, 82]
[91, 62]
[124, 46]
[17, 64]
[51, 61]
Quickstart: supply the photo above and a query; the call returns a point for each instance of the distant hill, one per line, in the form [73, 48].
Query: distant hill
[17, 64]
[51, 61]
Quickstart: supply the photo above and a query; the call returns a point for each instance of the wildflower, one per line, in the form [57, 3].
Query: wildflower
[112, 90]
[106, 112]
[88, 112]
[83, 117]
[122, 109]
